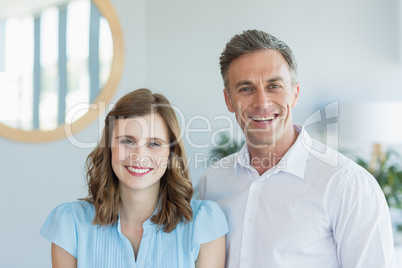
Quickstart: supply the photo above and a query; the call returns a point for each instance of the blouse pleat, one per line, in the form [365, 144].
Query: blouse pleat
[109, 248]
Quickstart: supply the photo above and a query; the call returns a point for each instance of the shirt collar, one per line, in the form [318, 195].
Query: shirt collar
[293, 162]
[295, 159]
[242, 159]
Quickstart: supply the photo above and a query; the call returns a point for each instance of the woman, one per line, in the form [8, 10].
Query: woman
[139, 211]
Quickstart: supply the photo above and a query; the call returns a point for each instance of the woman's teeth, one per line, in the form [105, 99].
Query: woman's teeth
[138, 170]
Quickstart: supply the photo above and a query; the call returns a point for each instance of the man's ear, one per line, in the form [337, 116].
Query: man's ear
[228, 100]
[296, 89]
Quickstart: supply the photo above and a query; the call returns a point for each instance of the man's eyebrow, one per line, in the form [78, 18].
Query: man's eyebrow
[275, 79]
[243, 83]
[248, 82]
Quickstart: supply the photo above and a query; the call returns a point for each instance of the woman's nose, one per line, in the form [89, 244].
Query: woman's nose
[137, 152]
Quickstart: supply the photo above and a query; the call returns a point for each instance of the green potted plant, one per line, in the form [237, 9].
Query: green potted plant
[388, 173]
[225, 146]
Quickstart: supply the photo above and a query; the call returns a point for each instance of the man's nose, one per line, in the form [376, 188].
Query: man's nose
[262, 99]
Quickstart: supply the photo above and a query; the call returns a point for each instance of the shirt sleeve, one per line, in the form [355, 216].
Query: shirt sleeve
[362, 227]
[60, 228]
[209, 224]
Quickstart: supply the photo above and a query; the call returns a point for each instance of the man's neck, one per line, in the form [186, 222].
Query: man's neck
[263, 159]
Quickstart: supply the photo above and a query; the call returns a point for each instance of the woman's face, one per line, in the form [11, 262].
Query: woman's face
[140, 151]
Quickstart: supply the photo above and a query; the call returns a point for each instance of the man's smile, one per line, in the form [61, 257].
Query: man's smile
[264, 119]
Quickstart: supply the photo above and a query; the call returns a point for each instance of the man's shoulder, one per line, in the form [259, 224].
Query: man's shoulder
[324, 157]
[225, 164]
[219, 177]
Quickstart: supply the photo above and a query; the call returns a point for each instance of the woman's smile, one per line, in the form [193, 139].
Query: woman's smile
[138, 171]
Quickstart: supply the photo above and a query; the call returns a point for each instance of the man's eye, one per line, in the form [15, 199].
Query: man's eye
[245, 89]
[274, 86]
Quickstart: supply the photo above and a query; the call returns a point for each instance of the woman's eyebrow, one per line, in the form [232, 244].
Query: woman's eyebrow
[125, 136]
[158, 139]
[148, 139]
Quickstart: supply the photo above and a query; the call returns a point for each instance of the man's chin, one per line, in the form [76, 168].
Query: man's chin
[259, 143]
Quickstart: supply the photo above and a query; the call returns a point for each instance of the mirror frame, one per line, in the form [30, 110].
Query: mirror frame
[105, 95]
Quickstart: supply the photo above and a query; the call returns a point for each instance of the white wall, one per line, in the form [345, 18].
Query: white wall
[345, 50]
[2, 44]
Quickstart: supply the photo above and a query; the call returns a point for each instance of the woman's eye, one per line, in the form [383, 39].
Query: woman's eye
[128, 142]
[154, 144]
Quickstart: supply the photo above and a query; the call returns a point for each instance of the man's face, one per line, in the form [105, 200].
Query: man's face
[261, 95]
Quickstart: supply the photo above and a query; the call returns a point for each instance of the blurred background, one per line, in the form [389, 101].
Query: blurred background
[349, 55]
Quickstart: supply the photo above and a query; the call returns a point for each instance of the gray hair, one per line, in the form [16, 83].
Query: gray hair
[250, 41]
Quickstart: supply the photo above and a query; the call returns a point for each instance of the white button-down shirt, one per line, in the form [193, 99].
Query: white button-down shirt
[315, 208]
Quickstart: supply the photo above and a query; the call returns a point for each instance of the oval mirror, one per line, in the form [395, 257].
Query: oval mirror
[60, 64]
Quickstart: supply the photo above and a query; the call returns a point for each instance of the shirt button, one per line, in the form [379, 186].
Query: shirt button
[250, 220]
[244, 259]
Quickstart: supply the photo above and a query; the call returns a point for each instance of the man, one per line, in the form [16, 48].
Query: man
[286, 205]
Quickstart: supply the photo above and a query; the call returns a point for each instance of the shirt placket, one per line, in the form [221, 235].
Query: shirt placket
[246, 250]
[128, 251]
[248, 220]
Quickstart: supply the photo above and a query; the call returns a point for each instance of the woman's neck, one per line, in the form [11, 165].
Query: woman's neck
[137, 206]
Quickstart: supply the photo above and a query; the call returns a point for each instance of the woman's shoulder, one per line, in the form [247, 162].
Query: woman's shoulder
[201, 205]
[209, 221]
[78, 205]
[67, 221]
[206, 210]
[82, 208]
[78, 208]
[77, 212]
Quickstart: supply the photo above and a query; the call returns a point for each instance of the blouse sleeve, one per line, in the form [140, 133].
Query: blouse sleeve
[209, 224]
[60, 229]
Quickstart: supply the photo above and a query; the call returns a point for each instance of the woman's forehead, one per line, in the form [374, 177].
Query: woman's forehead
[150, 125]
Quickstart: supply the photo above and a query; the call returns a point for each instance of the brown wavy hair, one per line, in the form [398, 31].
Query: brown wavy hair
[175, 186]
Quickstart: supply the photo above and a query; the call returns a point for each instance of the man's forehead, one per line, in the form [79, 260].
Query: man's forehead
[265, 62]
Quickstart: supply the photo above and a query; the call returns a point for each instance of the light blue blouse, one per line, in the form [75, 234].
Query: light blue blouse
[70, 226]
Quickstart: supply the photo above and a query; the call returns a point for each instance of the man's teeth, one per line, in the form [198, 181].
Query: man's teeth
[138, 170]
[263, 118]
